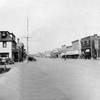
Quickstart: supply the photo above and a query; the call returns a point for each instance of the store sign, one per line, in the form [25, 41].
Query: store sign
[96, 42]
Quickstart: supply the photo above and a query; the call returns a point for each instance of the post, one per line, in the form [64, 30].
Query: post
[97, 53]
[27, 37]
[91, 45]
[96, 44]
[27, 49]
[18, 55]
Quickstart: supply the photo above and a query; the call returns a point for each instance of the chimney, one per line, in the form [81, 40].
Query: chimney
[18, 40]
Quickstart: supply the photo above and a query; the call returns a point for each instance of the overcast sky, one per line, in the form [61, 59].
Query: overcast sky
[52, 23]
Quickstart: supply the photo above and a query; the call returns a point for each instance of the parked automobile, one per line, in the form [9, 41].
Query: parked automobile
[30, 58]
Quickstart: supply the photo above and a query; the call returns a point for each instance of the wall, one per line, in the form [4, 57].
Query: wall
[8, 49]
[76, 45]
[69, 48]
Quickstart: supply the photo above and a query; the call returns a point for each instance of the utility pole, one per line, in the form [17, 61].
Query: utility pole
[27, 37]
[96, 41]
[91, 46]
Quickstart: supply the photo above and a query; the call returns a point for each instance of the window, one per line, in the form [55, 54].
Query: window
[85, 42]
[4, 44]
[81, 42]
[4, 35]
[88, 42]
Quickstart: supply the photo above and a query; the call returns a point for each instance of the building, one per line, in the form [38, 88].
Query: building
[74, 51]
[76, 45]
[86, 44]
[62, 51]
[7, 44]
[20, 53]
[69, 50]
[54, 53]
[90, 46]
[9, 48]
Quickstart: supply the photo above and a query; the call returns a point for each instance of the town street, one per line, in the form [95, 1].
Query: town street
[52, 79]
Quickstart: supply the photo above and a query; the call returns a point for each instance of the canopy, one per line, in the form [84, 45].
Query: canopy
[62, 54]
[74, 52]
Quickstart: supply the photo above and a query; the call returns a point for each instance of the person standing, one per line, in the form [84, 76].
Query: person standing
[65, 57]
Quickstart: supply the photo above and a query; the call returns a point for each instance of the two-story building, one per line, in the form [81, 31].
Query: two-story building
[89, 47]
[7, 44]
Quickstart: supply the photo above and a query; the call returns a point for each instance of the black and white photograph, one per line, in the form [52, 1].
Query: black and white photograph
[49, 49]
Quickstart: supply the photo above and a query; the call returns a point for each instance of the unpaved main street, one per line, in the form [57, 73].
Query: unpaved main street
[52, 79]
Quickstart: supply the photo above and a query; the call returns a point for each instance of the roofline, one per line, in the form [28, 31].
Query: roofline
[69, 46]
[7, 40]
[85, 37]
[75, 40]
[12, 34]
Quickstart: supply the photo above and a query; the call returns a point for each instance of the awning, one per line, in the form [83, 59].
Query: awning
[68, 53]
[74, 52]
[62, 54]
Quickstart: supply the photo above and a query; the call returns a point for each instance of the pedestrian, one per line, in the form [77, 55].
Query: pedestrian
[65, 57]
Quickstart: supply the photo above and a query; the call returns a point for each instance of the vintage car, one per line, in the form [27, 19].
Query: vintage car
[31, 58]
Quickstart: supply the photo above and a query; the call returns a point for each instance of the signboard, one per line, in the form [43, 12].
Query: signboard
[96, 42]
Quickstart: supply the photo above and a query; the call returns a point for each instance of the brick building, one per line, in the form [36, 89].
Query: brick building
[89, 47]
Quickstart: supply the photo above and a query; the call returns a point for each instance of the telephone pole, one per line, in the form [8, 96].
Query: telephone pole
[27, 37]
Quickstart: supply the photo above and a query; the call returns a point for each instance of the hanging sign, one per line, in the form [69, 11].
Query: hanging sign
[96, 43]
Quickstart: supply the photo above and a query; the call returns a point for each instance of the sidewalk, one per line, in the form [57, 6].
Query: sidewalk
[9, 85]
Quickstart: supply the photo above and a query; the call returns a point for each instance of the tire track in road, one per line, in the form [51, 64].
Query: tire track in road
[37, 85]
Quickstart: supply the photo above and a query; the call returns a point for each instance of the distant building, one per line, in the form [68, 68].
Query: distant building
[47, 54]
[74, 51]
[62, 51]
[68, 53]
[76, 45]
